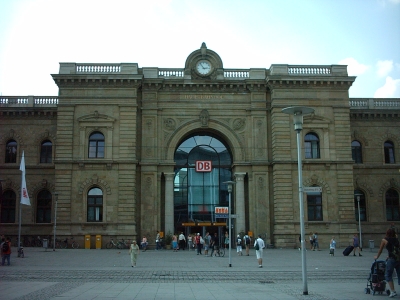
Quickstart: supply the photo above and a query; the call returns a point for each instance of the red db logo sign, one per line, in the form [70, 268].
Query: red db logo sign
[203, 166]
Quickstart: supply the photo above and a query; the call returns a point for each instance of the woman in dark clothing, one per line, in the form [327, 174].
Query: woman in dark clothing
[388, 242]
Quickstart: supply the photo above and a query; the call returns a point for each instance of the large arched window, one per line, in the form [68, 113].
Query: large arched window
[46, 152]
[8, 207]
[392, 205]
[389, 152]
[11, 152]
[359, 195]
[356, 152]
[311, 145]
[95, 205]
[43, 207]
[96, 145]
[203, 163]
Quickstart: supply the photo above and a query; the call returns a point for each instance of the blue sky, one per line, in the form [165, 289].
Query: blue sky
[35, 35]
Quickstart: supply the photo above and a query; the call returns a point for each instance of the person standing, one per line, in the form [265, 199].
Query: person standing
[311, 237]
[247, 242]
[226, 242]
[190, 241]
[315, 242]
[389, 242]
[207, 243]
[198, 243]
[144, 243]
[5, 251]
[356, 244]
[239, 245]
[332, 247]
[182, 241]
[214, 245]
[259, 246]
[134, 252]
[158, 237]
[175, 243]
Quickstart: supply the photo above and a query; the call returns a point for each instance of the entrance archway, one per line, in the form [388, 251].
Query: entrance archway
[202, 163]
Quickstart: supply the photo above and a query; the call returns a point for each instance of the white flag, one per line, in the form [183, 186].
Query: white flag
[24, 192]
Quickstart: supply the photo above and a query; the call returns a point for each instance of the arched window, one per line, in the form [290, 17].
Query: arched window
[95, 205]
[311, 145]
[46, 152]
[392, 205]
[11, 152]
[43, 207]
[8, 207]
[359, 195]
[389, 152]
[203, 163]
[356, 152]
[96, 145]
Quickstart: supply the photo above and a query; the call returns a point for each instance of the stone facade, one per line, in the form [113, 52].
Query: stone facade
[145, 113]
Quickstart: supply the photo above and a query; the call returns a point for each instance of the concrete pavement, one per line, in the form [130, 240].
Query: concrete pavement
[107, 274]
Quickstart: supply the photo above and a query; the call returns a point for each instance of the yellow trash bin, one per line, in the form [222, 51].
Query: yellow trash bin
[87, 241]
[98, 241]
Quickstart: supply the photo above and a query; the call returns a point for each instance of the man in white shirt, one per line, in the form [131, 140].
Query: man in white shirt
[259, 243]
[182, 241]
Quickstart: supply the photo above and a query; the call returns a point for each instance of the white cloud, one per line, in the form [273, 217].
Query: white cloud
[384, 67]
[354, 68]
[391, 89]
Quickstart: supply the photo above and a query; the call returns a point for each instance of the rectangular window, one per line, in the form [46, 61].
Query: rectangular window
[314, 207]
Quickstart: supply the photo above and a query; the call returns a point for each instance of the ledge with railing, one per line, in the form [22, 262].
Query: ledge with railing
[28, 101]
[374, 103]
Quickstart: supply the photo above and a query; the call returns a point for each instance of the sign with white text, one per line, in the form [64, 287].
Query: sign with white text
[203, 166]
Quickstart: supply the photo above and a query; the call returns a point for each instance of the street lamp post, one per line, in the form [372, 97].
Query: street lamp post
[55, 221]
[298, 112]
[230, 187]
[359, 216]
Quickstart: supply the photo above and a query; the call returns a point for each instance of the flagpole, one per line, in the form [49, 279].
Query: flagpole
[19, 218]
[24, 199]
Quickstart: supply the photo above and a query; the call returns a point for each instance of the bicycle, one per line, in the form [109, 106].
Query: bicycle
[64, 243]
[220, 251]
[112, 244]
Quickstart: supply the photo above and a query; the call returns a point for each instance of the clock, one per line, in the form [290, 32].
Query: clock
[203, 67]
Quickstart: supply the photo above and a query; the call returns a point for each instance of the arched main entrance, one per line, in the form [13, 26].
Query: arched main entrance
[202, 163]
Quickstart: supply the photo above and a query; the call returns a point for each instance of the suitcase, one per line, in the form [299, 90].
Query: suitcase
[348, 250]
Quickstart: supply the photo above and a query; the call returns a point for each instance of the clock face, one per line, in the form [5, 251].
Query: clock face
[203, 67]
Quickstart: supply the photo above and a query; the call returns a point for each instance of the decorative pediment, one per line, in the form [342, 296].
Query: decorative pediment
[96, 117]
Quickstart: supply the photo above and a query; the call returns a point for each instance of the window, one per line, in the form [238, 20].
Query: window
[96, 145]
[46, 152]
[43, 208]
[314, 207]
[389, 152]
[95, 205]
[11, 152]
[392, 205]
[356, 152]
[8, 207]
[363, 210]
[311, 145]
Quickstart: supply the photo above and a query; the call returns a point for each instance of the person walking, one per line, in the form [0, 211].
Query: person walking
[134, 252]
[389, 242]
[356, 244]
[175, 243]
[226, 241]
[332, 247]
[5, 251]
[239, 245]
[158, 237]
[247, 242]
[182, 241]
[259, 246]
[311, 237]
[214, 245]
[190, 242]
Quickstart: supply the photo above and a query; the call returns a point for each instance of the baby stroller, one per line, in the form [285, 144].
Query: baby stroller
[376, 281]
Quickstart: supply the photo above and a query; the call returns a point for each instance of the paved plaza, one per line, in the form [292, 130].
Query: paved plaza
[107, 274]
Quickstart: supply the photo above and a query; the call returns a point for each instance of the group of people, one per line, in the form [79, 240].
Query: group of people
[314, 241]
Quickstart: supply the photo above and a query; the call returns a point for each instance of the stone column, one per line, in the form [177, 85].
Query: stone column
[239, 203]
[169, 202]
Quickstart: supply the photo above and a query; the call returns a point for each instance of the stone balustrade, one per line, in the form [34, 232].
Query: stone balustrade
[374, 103]
[28, 101]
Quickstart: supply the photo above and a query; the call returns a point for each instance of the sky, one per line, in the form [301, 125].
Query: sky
[36, 35]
